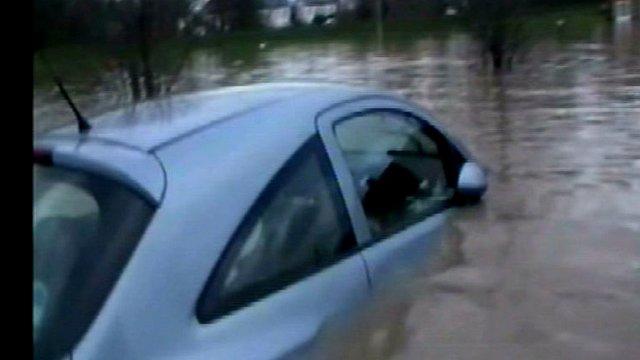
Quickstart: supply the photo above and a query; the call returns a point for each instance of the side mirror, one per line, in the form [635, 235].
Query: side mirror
[472, 182]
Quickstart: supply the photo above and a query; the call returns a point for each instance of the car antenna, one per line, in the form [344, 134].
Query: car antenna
[83, 124]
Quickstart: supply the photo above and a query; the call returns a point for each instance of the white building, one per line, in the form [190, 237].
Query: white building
[306, 11]
[622, 10]
[276, 13]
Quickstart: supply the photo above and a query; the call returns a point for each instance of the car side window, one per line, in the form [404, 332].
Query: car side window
[398, 167]
[298, 225]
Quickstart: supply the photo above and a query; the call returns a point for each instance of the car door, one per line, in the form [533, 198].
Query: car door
[290, 269]
[400, 173]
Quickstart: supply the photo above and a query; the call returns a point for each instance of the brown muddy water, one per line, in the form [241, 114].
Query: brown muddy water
[548, 266]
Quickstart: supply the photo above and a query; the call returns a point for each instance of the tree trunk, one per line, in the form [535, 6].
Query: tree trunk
[134, 79]
[145, 27]
[497, 49]
[147, 73]
[497, 59]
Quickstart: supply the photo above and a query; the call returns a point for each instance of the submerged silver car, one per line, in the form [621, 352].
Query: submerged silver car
[234, 224]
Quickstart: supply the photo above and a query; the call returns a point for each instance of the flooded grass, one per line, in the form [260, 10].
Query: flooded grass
[84, 64]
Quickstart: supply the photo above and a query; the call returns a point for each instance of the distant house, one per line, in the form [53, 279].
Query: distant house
[275, 13]
[221, 15]
[307, 12]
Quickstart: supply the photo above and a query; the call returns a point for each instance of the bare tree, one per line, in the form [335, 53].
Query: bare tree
[138, 26]
[499, 25]
[131, 30]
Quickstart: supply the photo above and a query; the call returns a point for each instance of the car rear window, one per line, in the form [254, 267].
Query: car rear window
[298, 226]
[85, 228]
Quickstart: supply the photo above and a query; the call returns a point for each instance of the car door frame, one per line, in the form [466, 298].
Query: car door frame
[300, 329]
[326, 122]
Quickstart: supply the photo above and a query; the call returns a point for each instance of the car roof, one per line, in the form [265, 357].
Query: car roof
[124, 144]
[153, 124]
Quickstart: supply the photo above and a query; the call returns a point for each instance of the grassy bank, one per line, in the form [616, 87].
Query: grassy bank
[84, 63]
[577, 21]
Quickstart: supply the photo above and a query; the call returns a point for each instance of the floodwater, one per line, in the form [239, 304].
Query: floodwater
[548, 266]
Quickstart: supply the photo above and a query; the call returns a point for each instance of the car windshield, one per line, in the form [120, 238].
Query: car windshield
[85, 228]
